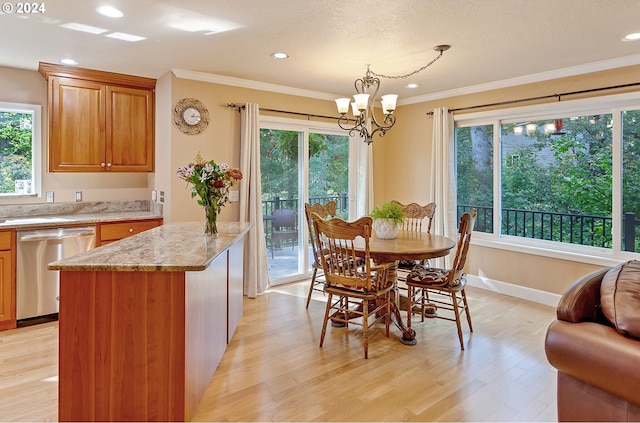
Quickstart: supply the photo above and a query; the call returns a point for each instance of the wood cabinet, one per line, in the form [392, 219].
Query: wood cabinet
[109, 232]
[99, 121]
[7, 280]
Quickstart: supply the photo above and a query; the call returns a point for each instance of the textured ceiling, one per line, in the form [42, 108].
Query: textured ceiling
[332, 41]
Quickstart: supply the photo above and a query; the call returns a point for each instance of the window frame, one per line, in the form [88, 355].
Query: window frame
[36, 146]
[304, 128]
[613, 104]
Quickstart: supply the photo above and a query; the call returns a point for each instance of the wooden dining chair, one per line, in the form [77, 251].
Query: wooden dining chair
[324, 211]
[363, 290]
[417, 215]
[430, 286]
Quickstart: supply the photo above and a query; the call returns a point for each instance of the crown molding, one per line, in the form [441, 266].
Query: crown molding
[505, 83]
[528, 79]
[246, 83]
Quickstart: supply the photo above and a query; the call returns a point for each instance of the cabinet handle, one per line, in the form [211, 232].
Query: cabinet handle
[130, 230]
[102, 164]
[108, 164]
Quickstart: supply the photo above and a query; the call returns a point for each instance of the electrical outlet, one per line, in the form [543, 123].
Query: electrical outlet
[162, 196]
[49, 196]
[78, 196]
[154, 195]
[234, 196]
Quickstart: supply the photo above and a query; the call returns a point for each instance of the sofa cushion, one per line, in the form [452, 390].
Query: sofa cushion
[620, 297]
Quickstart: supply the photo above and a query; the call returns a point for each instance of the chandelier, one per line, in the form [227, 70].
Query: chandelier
[362, 106]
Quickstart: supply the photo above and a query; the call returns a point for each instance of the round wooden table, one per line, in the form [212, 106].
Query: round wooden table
[408, 245]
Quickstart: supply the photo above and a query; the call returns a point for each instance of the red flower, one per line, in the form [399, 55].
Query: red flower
[218, 184]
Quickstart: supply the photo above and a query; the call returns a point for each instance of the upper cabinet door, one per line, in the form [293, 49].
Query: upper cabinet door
[99, 121]
[130, 130]
[77, 125]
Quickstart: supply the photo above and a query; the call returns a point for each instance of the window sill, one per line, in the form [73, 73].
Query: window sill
[561, 251]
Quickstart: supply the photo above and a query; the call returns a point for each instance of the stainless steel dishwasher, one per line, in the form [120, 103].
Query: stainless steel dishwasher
[37, 288]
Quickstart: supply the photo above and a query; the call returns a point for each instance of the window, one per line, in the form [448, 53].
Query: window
[544, 177]
[19, 149]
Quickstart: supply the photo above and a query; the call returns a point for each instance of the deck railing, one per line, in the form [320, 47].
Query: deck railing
[562, 227]
[342, 203]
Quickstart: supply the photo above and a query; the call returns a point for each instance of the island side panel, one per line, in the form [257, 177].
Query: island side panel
[121, 346]
[235, 286]
[206, 323]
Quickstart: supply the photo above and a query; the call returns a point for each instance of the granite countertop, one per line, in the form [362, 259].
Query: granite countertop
[67, 214]
[179, 246]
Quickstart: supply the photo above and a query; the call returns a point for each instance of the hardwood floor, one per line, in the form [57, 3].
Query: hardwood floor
[273, 369]
[29, 373]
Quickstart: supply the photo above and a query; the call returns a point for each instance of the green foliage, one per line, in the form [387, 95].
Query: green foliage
[280, 162]
[393, 211]
[15, 149]
[475, 182]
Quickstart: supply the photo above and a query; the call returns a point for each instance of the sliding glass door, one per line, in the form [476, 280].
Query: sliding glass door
[299, 164]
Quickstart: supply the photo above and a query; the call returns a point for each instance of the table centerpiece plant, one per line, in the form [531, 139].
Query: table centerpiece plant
[211, 182]
[387, 218]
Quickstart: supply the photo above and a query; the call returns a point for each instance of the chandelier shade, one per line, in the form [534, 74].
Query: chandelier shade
[363, 105]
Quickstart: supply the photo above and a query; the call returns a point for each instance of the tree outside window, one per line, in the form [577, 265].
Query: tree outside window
[16, 153]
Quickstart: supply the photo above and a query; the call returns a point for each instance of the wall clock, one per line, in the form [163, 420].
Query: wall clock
[190, 116]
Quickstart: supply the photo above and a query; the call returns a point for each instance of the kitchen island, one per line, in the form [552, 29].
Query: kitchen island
[144, 322]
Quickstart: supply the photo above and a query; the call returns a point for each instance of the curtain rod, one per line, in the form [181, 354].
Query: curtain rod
[308, 115]
[542, 97]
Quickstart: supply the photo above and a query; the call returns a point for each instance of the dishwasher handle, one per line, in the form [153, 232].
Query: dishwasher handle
[54, 234]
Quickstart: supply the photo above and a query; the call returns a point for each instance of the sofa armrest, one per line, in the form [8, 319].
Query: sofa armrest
[597, 355]
[581, 301]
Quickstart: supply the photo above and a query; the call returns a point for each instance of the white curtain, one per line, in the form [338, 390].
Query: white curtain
[363, 180]
[256, 274]
[442, 175]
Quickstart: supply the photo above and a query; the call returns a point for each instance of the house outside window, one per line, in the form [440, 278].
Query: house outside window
[20, 142]
[560, 179]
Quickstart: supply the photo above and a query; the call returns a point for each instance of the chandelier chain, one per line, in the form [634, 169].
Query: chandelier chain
[380, 75]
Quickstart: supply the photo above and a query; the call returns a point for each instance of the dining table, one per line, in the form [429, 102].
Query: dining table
[407, 245]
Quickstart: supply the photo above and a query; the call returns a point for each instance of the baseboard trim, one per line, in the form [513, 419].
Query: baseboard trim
[518, 291]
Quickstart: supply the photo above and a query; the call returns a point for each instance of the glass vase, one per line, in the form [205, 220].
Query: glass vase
[211, 218]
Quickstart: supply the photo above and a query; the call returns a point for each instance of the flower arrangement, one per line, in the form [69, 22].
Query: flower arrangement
[211, 182]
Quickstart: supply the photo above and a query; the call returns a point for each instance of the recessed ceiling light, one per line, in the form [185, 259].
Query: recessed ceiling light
[412, 85]
[279, 55]
[109, 11]
[84, 28]
[125, 37]
[632, 37]
[70, 62]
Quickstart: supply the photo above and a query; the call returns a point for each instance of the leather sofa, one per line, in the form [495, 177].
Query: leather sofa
[598, 367]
